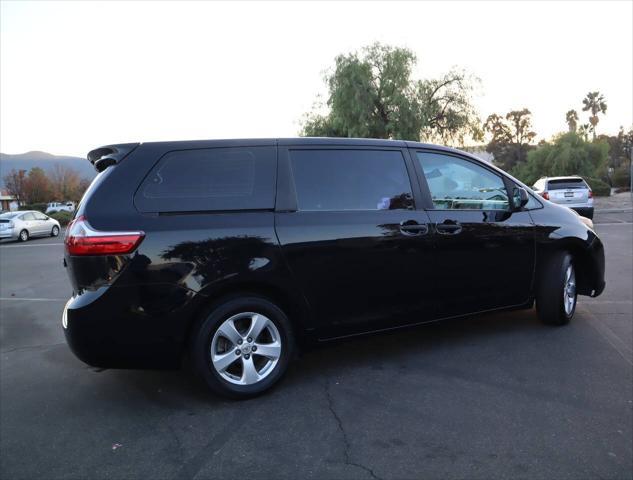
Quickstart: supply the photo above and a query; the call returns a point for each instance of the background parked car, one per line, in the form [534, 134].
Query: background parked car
[60, 207]
[573, 192]
[24, 225]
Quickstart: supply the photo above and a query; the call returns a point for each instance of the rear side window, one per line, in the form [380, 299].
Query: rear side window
[210, 179]
[566, 183]
[351, 180]
[28, 217]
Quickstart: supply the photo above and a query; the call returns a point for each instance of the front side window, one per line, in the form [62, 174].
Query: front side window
[40, 216]
[457, 184]
[210, 179]
[28, 217]
[351, 180]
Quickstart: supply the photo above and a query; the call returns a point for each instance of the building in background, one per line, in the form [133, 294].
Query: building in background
[7, 202]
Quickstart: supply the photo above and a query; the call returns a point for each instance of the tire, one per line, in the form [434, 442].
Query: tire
[556, 294]
[55, 231]
[23, 236]
[211, 348]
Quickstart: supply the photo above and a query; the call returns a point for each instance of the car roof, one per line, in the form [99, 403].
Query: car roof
[330, 141]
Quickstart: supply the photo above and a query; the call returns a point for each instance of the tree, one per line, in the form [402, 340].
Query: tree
[572, 120]
[595, 104]
[511, 137]
[15, 183]
[372, 94]
[65, 183]
[583, 131]
[37, 187]
[568, 154]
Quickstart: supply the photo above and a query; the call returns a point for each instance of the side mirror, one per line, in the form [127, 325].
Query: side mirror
[520, 198]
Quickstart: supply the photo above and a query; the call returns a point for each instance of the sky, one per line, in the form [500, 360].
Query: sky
[77, 75]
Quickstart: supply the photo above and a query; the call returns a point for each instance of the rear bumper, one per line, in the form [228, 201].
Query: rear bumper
[8, 234]
[119, 327]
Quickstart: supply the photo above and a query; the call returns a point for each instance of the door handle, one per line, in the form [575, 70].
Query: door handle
[446, 228]
[411, 227]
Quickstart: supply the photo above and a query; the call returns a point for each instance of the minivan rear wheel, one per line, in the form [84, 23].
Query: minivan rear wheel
[243, 347]
[556, 295]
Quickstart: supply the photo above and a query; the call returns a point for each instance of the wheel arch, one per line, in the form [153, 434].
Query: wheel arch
[296, 311]
[582, 258]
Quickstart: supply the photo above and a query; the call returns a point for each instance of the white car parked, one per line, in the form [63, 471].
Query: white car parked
[26, 224]
[53, 207]
[573, 192]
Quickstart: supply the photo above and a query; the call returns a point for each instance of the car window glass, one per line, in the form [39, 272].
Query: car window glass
[40, 216]
[28, 216]
[211, 179]
[566, 184]
[351, 180]
[457, 184]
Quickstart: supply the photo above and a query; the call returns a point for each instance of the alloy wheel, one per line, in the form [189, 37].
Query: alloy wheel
[569, 290]
[245, 348]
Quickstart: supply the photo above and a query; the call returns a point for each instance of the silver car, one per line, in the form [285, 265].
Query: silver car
[26, 224]
[573, 192]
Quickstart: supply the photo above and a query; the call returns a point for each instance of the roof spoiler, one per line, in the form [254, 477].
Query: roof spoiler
[102, 157]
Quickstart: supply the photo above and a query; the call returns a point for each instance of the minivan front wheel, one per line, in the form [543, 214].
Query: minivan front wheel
[556, 296]
[243, 347]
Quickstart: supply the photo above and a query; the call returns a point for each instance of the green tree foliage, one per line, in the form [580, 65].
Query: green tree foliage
[571, 117]
[372, 95]
[595, 104]
[568, 154]
[511, 137]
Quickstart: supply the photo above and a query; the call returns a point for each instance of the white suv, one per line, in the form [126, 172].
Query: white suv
[573, 192]
[53, 207]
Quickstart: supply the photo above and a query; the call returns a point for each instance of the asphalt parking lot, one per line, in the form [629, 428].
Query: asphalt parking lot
[493, 396]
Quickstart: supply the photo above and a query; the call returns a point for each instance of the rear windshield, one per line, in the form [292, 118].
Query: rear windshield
[566, 183]
[7, 216]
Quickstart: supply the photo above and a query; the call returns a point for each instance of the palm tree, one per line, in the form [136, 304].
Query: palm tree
[594, 103]
[572, 120]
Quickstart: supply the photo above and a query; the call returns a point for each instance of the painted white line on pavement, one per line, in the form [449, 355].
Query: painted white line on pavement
[38, 245]
[611, 224]
[2, 299]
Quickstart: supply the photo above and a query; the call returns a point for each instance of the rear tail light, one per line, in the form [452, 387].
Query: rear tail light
[545, 195]
[82, 239]
[590, 195]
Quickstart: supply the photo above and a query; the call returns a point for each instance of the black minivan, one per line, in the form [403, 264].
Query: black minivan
[231, 253]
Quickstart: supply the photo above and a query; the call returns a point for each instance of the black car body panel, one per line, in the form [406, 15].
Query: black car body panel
[335, 273]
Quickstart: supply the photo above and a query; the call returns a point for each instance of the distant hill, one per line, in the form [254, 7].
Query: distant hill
[46, 161]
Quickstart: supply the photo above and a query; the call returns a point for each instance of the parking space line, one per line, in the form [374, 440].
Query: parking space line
[2, 299]
[38, 245]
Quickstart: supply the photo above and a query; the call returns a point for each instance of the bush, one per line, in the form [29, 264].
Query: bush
[40, 207]
[568, 154]
[621, 177]
[62, 217]
[598, 187]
